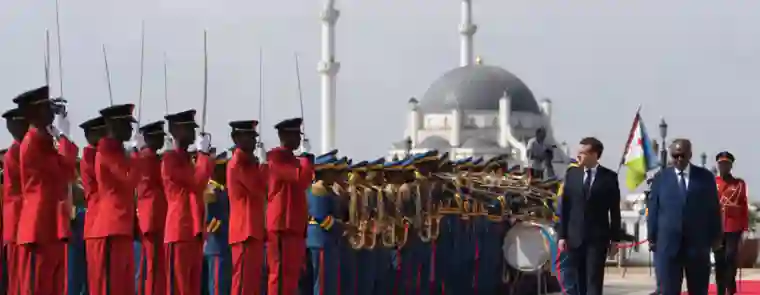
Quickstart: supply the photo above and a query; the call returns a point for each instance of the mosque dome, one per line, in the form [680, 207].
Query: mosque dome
[477, 87]
[435, 143]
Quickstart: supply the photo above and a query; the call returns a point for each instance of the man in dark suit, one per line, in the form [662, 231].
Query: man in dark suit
[684, 222]
[590, 217]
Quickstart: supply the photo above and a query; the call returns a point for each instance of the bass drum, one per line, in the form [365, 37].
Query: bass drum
[530, 245]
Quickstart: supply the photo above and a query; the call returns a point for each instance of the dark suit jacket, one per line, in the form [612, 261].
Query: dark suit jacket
[693, 218]
[593, 217]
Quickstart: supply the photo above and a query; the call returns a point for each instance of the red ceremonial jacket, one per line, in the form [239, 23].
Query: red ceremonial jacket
[45, 178]
[11, 192]
[151, 202]
[733, 201]
[247, 191]
[117, 175]
[184, 184]
[90, 188]
[289, 177]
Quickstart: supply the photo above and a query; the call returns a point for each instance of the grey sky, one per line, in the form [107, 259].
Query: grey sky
[694, 62]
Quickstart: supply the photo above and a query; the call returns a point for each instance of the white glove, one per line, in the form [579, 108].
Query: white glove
[61, 122]
[305, 146]
[203, 143]
[53, 131]
[138, 142]
[168, 144]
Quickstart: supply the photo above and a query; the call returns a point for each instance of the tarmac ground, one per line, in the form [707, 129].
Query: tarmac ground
[638, 281]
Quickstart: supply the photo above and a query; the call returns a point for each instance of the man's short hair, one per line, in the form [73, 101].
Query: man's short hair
[596, 145]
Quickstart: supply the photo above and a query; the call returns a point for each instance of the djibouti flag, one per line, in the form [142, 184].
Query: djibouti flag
[640, 156]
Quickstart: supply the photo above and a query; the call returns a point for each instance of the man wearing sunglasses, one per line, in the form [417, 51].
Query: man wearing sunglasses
[684, 222]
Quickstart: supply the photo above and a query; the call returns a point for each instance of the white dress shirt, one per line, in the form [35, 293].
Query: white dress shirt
[593, 173]
[686, 173]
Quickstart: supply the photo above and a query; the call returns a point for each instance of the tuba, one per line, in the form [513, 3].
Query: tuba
[430, 218]
[402, 223]
[385, 224]
[355, 217]
[360, 218]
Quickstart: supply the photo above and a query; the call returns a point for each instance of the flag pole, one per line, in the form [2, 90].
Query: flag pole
[636, 119]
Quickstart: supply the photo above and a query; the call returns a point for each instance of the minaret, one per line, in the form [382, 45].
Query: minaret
[328, 68]
[466, 30]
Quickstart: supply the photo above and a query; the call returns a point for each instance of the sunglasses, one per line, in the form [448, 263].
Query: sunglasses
[678, 156]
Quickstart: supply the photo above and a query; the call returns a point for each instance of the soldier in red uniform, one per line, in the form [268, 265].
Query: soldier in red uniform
[109, 249]
[151, 213]
[17, 126]
[94, 130]
[732, 192]
[184, 183]
[247, 191]
[46, 210]
[287, 213]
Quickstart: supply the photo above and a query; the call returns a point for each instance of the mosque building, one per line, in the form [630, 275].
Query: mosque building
[477, 110]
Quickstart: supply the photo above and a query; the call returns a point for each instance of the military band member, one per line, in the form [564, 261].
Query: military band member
[348, 266]
[427, 192]
[111, 252]
[184, 183]
[216, 249]
[732, 192]
[402, 197]
[12, 199]
[45, 176]
[247, 188]
[325, 232]
[287, 212]
[492, 226]
[467, 239]
[372, 260]
[151, 213]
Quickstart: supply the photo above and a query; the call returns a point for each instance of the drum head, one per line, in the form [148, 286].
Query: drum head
[526, 248]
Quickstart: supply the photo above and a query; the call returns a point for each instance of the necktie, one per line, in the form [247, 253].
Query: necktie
[682, 181]
[587, 183]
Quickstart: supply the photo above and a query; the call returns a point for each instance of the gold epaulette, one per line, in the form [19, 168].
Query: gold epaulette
[419, 176]
[216, 184]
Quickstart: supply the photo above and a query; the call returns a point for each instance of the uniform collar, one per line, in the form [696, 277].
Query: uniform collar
[110, 143]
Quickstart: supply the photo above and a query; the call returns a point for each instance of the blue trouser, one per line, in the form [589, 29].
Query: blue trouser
[410, 265]
[490, 261]
[325, 263]
[568, 277]
[218, 273]
[459, 280]
[691, 261]
[77, 261]
[306, 282]
[446, 256]
[424, 263]
[386, 270]
[348, 268]
[366, 271]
